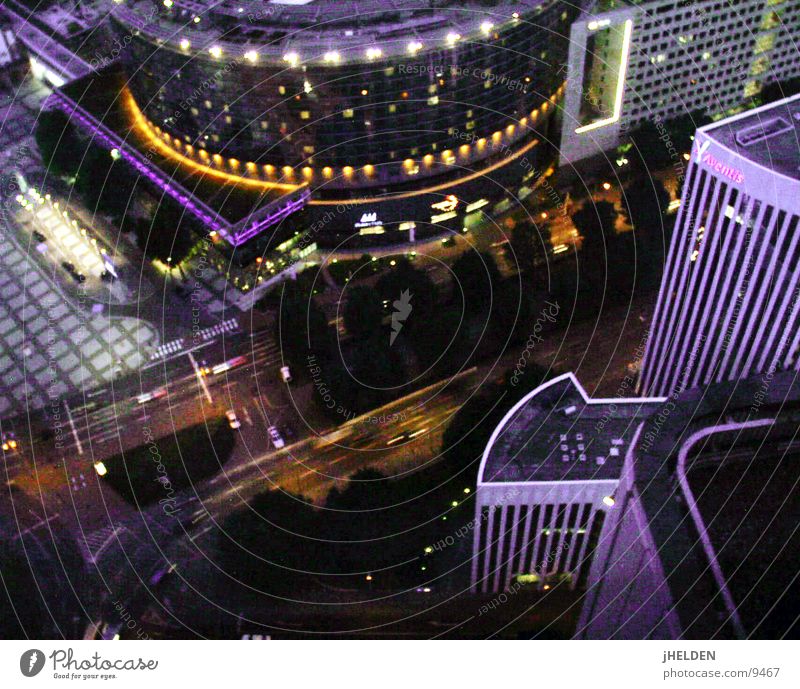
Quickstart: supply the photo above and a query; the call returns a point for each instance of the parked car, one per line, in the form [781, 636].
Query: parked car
[233, 420]
[70, 268]
[10, 443]
[275, 437]
[38, 236]
[286, 374]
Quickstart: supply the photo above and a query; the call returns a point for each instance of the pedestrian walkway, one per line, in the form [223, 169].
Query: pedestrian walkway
[175, 346]
[92, 544]
[50, 346]
[167, 349]
[228, 326]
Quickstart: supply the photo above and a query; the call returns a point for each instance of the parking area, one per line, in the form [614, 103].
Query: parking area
[51, 345]
[73, 245]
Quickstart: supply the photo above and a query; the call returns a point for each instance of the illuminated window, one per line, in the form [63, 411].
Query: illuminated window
[764, 42]
[432, 88]
[771, 20]
[752, 88]
[305, 114]
[434, 100]
[392, 108]
[308, 150]
[195, 111]
[264, 124]
[487, 84]
[228, 119]
[208, 104]
[760, 65]
[282, 90]
[215, 137]
[348, 113]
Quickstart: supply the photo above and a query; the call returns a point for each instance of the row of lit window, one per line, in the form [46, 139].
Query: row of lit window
[292, 58]
[409, 165]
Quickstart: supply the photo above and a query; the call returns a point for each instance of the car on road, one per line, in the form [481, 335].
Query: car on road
[229, 364]
[10, 443]
[38, 236]
[152, 395]
[233, 420]
[286, 374]
[275, 437]
[405, 435]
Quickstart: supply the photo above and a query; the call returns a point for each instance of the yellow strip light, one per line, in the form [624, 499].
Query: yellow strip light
[428, 190]
[143, 126]
[623, 70]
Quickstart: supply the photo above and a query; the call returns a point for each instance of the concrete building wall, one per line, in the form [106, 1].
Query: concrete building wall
[546, 529]
[626, 595]
[683, 57]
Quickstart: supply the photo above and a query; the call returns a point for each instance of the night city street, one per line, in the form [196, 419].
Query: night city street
[400, 320]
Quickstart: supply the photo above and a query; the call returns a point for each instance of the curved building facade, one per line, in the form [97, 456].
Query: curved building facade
[344, 94]
[546, 482]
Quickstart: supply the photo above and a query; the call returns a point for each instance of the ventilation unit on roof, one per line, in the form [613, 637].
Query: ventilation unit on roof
[763, 130]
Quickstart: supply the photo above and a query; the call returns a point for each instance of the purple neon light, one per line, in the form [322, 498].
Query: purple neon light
[258, 227]
[179, 194]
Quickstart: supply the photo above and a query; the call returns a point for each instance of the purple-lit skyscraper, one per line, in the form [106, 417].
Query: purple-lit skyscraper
[728, 306]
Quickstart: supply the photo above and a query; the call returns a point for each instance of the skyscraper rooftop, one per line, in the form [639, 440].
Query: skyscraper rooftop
[768, 136]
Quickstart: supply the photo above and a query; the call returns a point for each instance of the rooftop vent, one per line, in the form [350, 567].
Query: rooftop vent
[763, 130]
